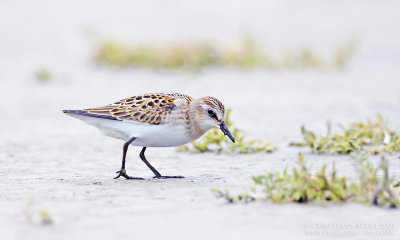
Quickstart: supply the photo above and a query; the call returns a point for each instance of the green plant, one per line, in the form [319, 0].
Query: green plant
[35, 216]
[372, 136]
[44, 74]
[302, 186]
[215, 141]
[342, 54]
[248, 53]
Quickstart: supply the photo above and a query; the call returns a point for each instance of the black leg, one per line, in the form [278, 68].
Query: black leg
[122, 172]
[158, 175]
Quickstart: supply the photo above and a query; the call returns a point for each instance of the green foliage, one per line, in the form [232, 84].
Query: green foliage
[248, 53]
[373, 136]
[302, 186]
[44, 74]
[37, 216]
[342, 54]
[215, 141]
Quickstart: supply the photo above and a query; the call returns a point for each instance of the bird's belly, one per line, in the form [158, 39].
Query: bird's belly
[147, 135]
[160, 136]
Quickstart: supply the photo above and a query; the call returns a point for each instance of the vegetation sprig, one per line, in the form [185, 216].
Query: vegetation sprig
[300, 185]
[248, 53]
[215, 141]
[372, 136]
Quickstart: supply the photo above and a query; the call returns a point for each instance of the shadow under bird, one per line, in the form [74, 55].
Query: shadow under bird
[155, 120]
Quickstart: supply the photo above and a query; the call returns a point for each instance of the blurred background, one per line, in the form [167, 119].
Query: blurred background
[278, 64]
[292, 59]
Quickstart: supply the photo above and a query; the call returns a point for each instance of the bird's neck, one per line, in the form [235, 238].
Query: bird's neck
[194, 113]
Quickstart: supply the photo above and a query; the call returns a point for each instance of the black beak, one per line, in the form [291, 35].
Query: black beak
[225, 130]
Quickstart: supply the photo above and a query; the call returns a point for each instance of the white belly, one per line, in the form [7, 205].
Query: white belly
[160, 135]
[147, 135]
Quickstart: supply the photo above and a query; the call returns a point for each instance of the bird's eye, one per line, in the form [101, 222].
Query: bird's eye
[211, 112]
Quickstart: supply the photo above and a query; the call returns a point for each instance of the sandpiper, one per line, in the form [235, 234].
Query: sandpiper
[155, 120]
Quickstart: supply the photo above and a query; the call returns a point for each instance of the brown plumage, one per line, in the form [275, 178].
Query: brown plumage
[147, 108]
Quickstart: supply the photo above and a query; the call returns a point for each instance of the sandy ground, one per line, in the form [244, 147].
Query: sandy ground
[67, 167]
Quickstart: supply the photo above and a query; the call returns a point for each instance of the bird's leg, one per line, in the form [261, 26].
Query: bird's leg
[122, 172]
[158, 175]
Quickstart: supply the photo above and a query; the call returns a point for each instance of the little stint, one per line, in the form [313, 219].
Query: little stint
[155, 120]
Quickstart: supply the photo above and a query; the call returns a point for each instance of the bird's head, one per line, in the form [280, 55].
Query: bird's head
[210, 113]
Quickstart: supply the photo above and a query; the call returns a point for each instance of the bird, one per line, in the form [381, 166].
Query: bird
[155, 120]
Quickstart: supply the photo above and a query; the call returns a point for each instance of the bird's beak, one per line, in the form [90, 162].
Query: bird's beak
[225, 130]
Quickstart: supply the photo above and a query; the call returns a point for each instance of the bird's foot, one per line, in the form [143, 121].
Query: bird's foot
[122, 173]
[166, 177]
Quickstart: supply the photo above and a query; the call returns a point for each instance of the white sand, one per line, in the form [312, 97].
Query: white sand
[67, 167]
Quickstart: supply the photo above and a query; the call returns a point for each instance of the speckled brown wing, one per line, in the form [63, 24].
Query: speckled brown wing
[148, 108]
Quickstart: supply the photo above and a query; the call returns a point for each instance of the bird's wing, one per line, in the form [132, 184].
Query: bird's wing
[147, 108]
